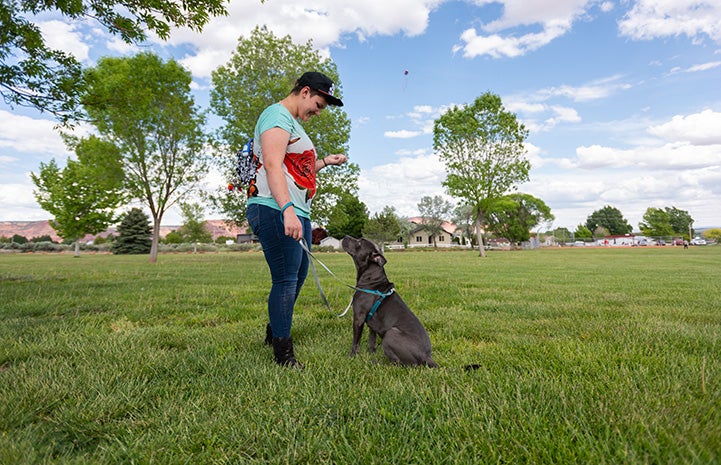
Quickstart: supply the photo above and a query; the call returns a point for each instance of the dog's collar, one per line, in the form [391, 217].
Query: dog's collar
[381, 296]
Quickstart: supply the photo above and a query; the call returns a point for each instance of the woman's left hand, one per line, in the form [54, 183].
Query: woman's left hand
[335, 159]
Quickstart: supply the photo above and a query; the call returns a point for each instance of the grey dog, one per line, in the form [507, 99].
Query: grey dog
[375, 303]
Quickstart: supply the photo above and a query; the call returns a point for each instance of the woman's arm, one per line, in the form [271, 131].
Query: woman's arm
[335, 159]
[274, 142]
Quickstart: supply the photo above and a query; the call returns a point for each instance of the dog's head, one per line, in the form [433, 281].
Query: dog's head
[365, 253]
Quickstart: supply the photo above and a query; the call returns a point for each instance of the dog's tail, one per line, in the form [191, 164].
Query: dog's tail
[473, 366]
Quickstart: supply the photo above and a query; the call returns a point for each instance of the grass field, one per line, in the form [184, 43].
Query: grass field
[594, 356]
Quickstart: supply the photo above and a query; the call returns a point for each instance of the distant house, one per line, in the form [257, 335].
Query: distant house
[246, 238]
[330, 241]
[420, 237]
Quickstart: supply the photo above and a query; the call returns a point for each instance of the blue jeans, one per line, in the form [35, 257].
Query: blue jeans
[287, 261]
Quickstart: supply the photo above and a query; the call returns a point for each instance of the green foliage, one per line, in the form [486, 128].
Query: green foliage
[464, 219]
[83, 196]
[562, 235]
[173, 237]
[348, 217]
[656, 222]
[32, 74]
[610, 218]
[434, 212]
[43, 238]
[224, 239]
[383, 227]
[481, 145]
[100, 240]
[144, 106]
[681, 221]
[262, 70]
[133, 234]
[515, 215]
[112, 361]
[18, 239]
[713, 234]
[194, 228]
[582, 232]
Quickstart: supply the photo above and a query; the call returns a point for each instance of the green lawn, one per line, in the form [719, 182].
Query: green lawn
[586, 356]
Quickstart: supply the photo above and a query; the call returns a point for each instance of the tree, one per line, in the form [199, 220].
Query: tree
[681, 221]
[656, 222]
[463, 218]
[562, 235]
[133, 234]
[173, 237]
[18, 239]
[582, 232]
[383, 227]
[43, 238]
[434, 212]
[261, 71]
[193, 229]
[713, 234]
[482, 148]
[515, 215]
[348, 217]
[32, 74]
[143, 105]
[600, 231]
[83, 196]
[610, 218]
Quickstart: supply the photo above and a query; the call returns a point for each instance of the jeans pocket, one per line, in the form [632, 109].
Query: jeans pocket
[253, 216]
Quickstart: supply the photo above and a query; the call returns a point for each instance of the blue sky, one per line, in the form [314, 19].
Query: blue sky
[621, 98]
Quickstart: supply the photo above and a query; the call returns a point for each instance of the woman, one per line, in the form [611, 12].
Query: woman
[279, 205]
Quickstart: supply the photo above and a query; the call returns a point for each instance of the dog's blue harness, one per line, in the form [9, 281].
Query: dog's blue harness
[381, 295]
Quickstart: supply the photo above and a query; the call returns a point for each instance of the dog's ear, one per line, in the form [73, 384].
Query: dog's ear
[378, 258]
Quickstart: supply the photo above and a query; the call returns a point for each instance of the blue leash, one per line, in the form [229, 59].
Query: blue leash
[382, 295]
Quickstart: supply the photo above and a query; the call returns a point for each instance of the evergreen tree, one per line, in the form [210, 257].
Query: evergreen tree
[349, 217]
[134, 234]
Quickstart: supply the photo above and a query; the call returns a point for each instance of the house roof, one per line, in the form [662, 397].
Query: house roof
[448, 227]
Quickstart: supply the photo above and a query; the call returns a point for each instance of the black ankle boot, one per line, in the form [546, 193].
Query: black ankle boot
[283, 351]
[268, 335]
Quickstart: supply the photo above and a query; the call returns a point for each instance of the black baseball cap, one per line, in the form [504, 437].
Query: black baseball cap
[321, 84]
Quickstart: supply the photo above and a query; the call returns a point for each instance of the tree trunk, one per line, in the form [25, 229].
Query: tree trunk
[479, 237]
[77, 248]
[155, 240]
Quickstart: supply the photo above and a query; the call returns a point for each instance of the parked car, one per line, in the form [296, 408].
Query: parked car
[698, 241]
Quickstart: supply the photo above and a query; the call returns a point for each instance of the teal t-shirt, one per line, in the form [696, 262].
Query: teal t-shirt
[298, 164]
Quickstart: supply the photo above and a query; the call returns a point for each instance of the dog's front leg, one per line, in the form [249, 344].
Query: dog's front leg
[357, 332]
[371, 340]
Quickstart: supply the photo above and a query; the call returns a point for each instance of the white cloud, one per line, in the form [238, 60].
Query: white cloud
[60, 35]
[19, 203]
[402, 134]
[29, 135]
[699, 128]
[650, 19]
[594, 90]
[704, 67]
[683, 169]
[554, 18]
[402, 184]
[325, 23]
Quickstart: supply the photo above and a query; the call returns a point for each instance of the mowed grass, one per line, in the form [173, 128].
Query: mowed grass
[585, 356]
